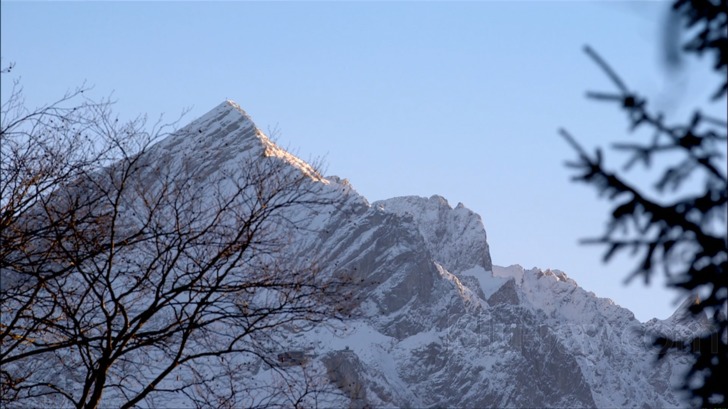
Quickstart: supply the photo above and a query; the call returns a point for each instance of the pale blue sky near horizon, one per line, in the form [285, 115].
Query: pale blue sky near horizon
[460, 99]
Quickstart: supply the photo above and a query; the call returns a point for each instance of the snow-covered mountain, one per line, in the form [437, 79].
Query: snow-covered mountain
[439, 325]
[436, 323]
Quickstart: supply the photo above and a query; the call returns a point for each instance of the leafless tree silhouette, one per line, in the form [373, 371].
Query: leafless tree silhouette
[126, 280]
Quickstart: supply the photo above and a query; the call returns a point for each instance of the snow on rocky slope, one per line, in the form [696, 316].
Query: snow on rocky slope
[438, 325]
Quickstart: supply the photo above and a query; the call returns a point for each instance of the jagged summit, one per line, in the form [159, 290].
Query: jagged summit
[226, 112]
[683, 315]
[236, 106]
[456, 237]
[222, 137]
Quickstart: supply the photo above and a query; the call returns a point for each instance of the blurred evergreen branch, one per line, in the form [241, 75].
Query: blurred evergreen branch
[685, 237]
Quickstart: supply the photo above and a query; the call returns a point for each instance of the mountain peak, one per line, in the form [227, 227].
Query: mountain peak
[227, 134]
[233, 106]
[227, 112]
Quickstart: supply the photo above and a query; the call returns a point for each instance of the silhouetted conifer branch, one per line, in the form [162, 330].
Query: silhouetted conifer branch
[685, 237]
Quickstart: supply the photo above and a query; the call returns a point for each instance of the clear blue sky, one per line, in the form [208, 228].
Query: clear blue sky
[409, 98]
